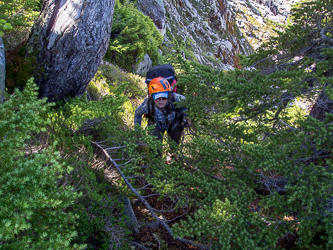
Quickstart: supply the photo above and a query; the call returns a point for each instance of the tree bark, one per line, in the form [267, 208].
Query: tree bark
[2, 71]
[322, 106]
[67, 44]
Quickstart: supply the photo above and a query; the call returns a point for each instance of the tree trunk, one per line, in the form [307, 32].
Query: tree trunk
[67, 44]
[2, 70]
[322, 106]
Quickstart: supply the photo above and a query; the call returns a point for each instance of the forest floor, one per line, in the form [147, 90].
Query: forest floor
[157, 238]
[152, 235]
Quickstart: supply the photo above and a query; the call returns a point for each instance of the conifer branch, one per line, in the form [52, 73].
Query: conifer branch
[151, 210]
[138, 245]
[150, 195]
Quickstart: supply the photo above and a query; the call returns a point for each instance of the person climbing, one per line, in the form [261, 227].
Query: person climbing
[160, 109]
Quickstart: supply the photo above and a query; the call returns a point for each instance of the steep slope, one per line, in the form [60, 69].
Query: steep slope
[257, 19]
[215, 31]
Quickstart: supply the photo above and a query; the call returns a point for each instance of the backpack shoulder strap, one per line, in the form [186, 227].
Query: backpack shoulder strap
[173, 99]
[148, 105]
[149, 116]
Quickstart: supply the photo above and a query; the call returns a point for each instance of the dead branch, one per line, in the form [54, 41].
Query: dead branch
[151, 210]
[138, 245]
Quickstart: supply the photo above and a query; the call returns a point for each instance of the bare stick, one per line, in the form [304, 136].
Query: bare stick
[138, 245]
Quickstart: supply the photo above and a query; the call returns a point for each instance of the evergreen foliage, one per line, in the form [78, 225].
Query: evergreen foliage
[257, 168]
[133, 35]
[51, 185]
[265, 139]
[33, 207]
[16, 13]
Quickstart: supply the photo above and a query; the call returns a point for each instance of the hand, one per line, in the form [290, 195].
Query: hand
[185, 123]
[189, 123]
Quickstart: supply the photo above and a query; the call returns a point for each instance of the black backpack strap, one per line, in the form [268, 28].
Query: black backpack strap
[179, 113]
[148, 104]
[173, 99]
[149, 116]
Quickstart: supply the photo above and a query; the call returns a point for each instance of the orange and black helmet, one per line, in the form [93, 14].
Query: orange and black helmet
[158, 85]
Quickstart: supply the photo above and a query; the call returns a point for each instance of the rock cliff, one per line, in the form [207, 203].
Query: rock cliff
[214, 31]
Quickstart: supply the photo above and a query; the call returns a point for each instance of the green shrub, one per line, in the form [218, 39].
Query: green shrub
[133, 35]
[51, 185]
[100, 223]
[74, 124]
[19, 13]
[110, 77]
[34, 209]
[16, 19]
[257, 168]
[246, 143]
[4, 26]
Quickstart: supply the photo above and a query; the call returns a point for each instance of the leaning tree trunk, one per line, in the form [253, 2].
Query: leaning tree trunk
[67, 44]
[2, 71]
[322, 106]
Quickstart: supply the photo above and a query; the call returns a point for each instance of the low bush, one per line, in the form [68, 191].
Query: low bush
[53, 190]
[34, 210]
[133, 35]
[109, 77]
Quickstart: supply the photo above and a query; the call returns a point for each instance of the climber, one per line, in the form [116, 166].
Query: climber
[160, 109]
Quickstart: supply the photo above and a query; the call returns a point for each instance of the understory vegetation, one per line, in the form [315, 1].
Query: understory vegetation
[133, 35]
[255, 171]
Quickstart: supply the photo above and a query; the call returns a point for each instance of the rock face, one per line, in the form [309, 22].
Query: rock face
[155, 10]
[144, 65]
[256, 18]
[215, 31]
[208, 29]
[2, 70]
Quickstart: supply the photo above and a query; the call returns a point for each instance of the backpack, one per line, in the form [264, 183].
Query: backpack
[166, 71]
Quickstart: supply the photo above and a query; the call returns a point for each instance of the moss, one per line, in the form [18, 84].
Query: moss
[19, 69]
[110, 77]
[42, 69]
[21, 52]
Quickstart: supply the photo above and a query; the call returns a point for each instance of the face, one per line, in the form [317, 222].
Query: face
[161, 102]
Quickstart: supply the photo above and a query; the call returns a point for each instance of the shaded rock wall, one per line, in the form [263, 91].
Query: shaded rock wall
[155, 10]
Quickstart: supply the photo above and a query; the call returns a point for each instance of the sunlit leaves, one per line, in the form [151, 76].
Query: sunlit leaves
[133, 35]
[18, 13]
[32, 213]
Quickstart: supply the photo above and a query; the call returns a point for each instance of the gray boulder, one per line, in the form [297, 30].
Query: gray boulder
[2, 70]
[155, 10]
[144, 65]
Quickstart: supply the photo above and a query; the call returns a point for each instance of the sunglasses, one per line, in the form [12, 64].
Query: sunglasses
[162, 98]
